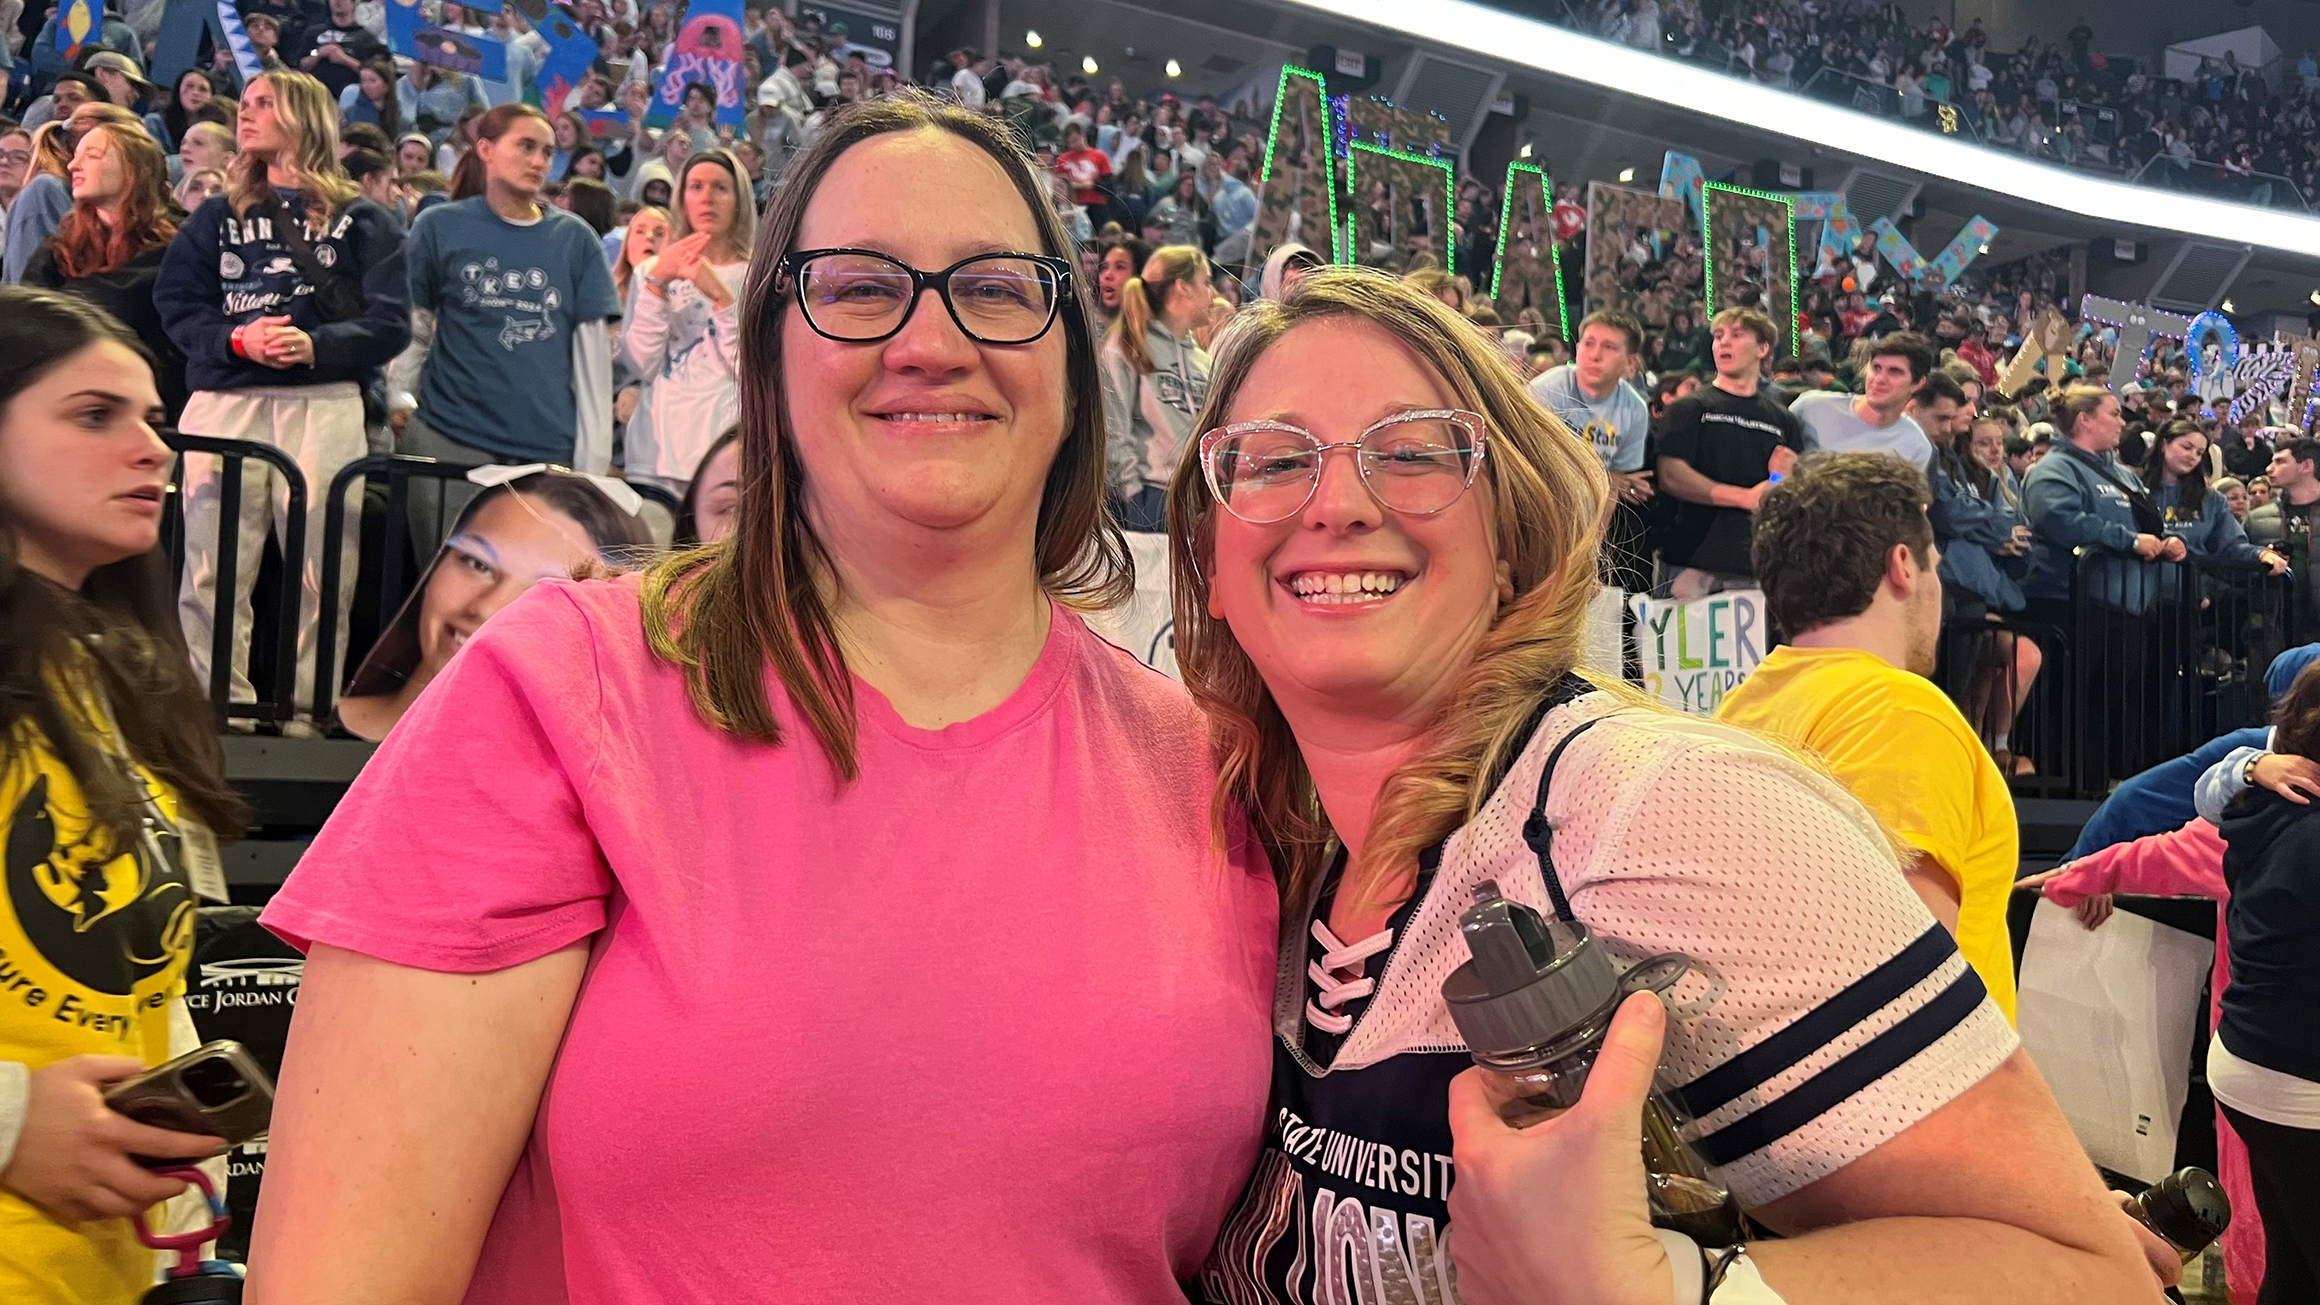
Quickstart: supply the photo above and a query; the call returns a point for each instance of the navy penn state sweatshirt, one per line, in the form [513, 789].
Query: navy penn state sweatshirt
[224, 271]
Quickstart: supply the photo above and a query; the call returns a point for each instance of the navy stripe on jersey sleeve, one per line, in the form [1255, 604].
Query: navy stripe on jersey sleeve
[1820, 1026]
[1858, 1069]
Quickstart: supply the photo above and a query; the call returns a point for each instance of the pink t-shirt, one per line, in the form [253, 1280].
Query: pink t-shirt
[989, 1024]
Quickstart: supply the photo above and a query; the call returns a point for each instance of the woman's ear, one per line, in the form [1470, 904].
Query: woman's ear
[1505, 582]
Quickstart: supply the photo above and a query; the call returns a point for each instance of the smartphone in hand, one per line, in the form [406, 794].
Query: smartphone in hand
[217, 1089]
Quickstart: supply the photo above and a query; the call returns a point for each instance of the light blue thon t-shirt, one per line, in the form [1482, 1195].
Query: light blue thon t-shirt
[506, 298]
[1614, 425]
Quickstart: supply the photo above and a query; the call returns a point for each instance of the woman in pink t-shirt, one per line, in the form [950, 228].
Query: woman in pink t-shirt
[826, 914]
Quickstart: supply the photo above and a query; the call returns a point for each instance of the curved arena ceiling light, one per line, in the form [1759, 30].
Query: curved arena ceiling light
[1511, 38]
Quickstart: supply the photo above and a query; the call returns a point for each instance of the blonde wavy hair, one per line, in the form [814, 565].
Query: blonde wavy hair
[310, 112]
[1548, 501]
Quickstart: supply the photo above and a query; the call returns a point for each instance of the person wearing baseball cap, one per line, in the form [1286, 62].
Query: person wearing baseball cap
[119, 76]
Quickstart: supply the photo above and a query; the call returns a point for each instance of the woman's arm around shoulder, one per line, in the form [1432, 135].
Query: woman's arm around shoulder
[1853, 1083]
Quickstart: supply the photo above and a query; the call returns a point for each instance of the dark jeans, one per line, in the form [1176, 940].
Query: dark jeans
[2284, 1164]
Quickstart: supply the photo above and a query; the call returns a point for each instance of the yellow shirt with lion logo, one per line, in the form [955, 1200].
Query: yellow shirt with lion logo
[94, 944]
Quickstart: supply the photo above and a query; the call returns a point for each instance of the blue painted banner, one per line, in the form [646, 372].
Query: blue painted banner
[1951, 261]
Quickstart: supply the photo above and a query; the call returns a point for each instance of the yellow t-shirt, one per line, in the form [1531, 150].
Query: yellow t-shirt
[1901, 747]
[94, 943]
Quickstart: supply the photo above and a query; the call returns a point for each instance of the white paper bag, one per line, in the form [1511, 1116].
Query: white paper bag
[2109, 1017]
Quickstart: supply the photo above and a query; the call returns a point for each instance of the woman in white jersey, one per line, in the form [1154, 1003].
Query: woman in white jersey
[1383, 554]
[683, 337]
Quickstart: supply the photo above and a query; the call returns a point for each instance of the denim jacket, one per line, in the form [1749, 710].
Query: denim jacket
[1969, 527]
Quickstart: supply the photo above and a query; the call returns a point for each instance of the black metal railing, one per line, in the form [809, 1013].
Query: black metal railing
[2152, 660]
[224, 617]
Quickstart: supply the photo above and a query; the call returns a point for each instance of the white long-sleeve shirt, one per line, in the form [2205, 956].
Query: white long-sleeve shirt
[687, 351]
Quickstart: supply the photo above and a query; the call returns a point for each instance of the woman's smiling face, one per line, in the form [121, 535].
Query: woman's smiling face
[1347, 601]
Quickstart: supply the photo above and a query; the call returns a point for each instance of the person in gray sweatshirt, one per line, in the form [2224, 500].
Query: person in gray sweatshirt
[1155, 376]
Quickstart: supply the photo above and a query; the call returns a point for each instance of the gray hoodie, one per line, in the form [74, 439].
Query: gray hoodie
[1148, 415]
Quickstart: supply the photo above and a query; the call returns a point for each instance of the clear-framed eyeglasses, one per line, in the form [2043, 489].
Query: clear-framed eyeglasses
[861, 296]
[1417, 463]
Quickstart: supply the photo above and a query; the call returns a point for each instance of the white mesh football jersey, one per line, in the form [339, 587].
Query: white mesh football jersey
[1826, 1011]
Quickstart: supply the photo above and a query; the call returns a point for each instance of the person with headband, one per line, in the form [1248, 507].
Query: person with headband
[683, 332]
[511, 352]
[1383, 552]
[286, 295]
[856, 767]
[1155, 376]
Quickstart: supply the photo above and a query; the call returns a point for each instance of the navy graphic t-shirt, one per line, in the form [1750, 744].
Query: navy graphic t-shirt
[1349, 1204]
[506, 298]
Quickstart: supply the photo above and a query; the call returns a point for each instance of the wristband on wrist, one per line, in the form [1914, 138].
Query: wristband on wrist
[2247, 773]
[1733, 1280]
[239, 350]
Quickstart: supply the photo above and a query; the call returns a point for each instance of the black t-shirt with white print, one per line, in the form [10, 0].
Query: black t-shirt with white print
[1729, 439]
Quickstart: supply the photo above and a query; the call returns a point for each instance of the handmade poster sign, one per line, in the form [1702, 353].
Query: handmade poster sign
[2136, 325]
[1526, 273]
[183, 24]
[2213, 345]
[1693, 653]
[1402, 204]
[2048, 342]
[708, 52]
[1751, 254]
[410, 34]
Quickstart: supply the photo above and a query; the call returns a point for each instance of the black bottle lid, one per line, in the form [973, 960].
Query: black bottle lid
[2188, 1208]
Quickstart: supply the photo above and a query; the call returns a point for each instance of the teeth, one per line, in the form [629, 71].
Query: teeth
[1344, 586]
[935, 416]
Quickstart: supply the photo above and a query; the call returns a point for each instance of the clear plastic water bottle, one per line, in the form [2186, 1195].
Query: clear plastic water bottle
[1534, 1005]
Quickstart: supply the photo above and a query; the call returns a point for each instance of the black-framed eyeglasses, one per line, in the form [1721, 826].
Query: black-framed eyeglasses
[861, 296]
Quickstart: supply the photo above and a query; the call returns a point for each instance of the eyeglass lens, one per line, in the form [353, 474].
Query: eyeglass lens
[998, 300]
[1418, 465]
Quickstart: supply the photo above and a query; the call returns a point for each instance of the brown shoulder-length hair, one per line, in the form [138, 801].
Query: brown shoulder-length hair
[726, 611]
[117, 635]
[86, 245]
[1548, 499]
